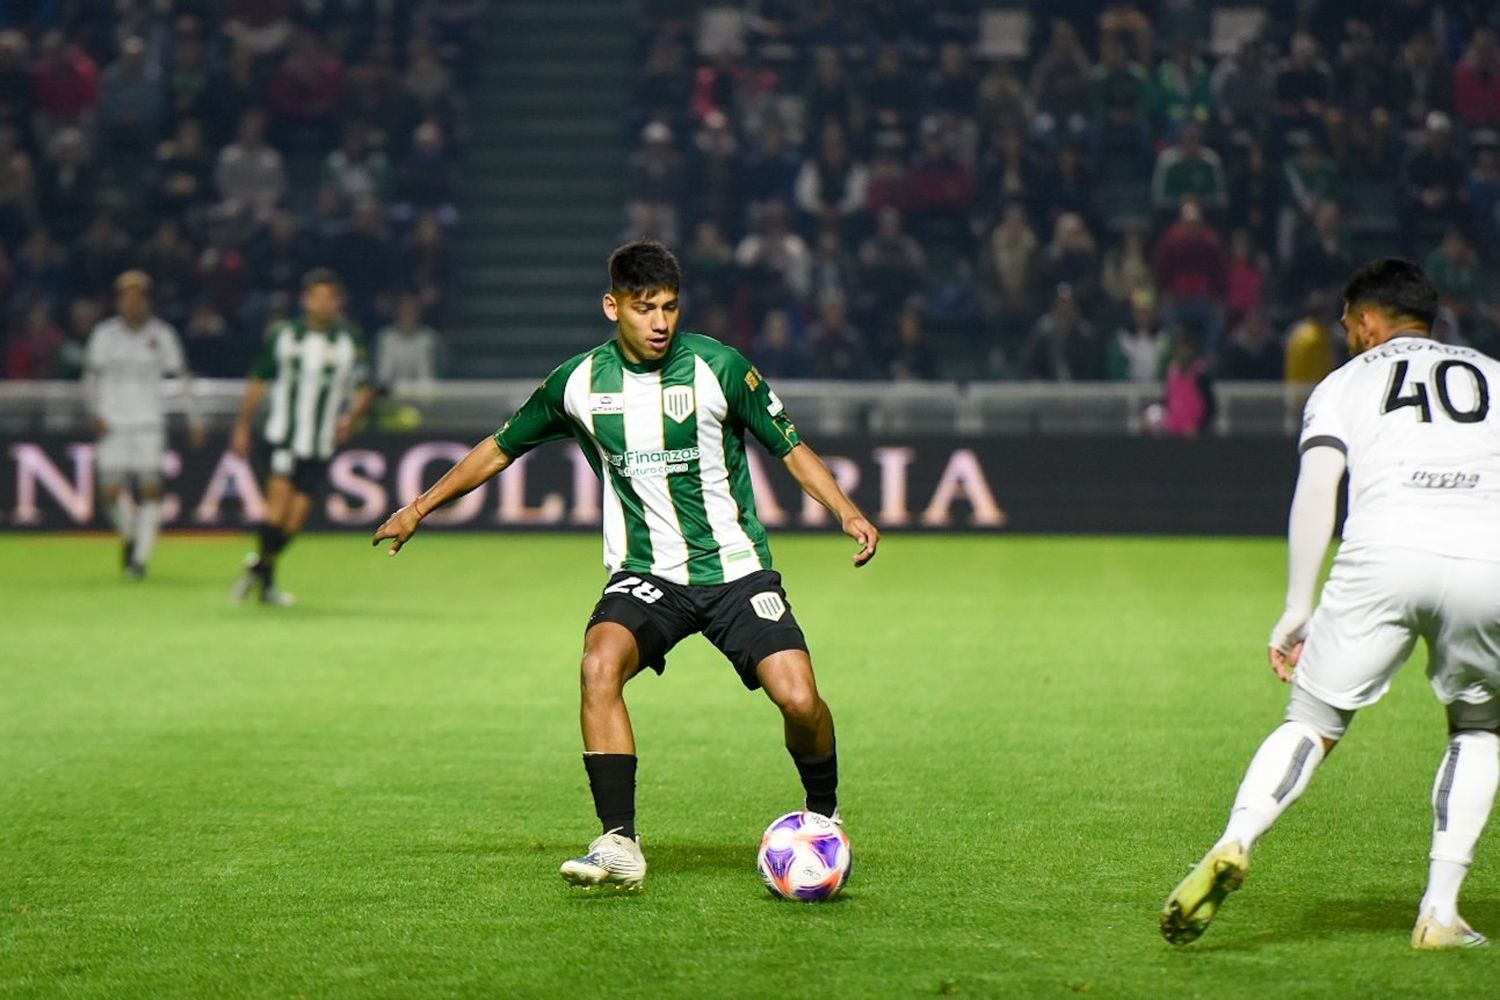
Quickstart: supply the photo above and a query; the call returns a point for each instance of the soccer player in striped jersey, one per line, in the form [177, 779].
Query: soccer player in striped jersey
[125, 363]
[316, 376]
[661, 416]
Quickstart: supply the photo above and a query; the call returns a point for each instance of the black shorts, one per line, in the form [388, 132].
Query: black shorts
[308, 475]
[747, 620]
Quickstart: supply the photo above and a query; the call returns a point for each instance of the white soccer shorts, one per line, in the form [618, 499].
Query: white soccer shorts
[134, 452]
[1375, 606]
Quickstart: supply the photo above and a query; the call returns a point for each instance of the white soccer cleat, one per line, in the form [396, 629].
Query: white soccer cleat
[1197, 898]
[612, 859]
[1429, 935]
[246, 584]
[277, 598]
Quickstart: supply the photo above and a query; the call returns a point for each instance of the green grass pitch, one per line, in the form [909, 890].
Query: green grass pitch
[369, 794]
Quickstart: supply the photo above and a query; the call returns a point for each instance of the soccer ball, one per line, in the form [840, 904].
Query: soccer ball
[804, 856]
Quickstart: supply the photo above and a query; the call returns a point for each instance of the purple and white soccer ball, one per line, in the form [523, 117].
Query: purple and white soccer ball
[804, 856]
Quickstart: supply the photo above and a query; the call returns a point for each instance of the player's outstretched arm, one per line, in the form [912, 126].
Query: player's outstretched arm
[364, 401]
[483, 462]
[255, 394]
[817, 482]
[1309, 530]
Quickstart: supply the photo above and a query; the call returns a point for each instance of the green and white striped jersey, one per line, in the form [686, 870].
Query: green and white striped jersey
[667, 438]
[313, 375]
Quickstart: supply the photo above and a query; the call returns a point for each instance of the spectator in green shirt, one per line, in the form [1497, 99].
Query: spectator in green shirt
[1187, 171]
[1308, 178]
[1454, 268]
[1119, 96]
[1182, 91]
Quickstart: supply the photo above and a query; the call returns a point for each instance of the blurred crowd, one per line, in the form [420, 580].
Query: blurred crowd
[868, 188]
[226, 147]
[858, 188]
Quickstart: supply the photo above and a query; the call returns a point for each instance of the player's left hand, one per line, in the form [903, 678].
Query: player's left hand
[344, 431]
[863, 532]
[1285, 663]
[399, 526]
[1287, 637]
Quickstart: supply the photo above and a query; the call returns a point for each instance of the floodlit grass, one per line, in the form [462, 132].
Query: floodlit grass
[369, 794]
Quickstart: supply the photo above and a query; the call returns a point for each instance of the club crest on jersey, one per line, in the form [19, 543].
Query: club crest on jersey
[606, 402]
[677, 402]
[768, 605]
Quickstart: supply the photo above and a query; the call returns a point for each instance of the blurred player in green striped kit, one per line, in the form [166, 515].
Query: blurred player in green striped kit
[315, 375]
[661, 416]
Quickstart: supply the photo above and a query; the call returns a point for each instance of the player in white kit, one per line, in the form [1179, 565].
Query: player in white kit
[1415, 424]
[127, 359]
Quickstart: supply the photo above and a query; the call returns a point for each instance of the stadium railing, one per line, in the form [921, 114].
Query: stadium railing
[1245, 409]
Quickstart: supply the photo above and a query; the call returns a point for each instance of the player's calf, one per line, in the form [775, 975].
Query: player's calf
[1463, 793]
[808, 727]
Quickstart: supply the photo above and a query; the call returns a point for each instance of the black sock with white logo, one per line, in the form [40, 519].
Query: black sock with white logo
[820, 778]
[612, 780]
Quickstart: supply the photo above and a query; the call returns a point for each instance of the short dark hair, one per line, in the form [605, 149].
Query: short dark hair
[321, 276]
[1395, 286]
[643, 266]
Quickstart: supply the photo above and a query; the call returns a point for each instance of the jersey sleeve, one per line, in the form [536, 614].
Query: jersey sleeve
[93, 351]
[1323, 421]
[266, 365]
[174, 362]
[539, 420]
[93, 369]
[361, 376]
[754, 405]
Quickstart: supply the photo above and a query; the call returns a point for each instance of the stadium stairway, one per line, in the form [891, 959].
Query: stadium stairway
[542, 186]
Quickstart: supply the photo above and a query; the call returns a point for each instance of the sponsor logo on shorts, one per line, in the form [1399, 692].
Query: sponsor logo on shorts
[769, 605]
[677, 402]
[606, 402]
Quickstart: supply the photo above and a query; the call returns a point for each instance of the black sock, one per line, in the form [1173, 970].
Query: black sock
[612, 780]
[820, 778]
[272, 541]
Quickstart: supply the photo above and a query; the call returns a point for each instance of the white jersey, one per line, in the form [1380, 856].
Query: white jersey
[125, 366]
[1417, 422]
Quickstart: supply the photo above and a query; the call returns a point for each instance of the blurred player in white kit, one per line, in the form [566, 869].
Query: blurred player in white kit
[128, 359]
[1415, 424]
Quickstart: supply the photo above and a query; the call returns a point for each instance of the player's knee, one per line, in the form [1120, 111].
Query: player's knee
[151, 488]
[800, 703]
[1464, 717]
[601, 673]
[1328, 721]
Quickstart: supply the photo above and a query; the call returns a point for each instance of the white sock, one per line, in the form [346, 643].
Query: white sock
[147, 524]
[1462, 795]
[1276, 778]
